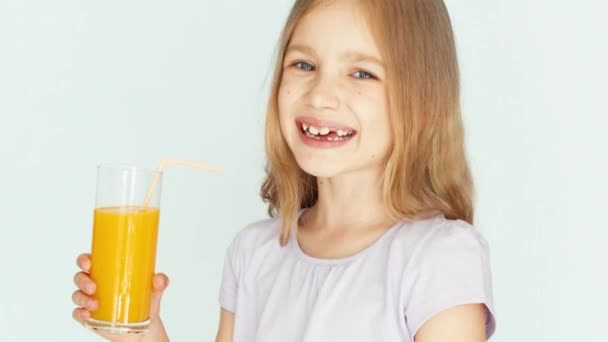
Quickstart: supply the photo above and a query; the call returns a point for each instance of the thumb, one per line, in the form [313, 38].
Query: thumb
[160, 282]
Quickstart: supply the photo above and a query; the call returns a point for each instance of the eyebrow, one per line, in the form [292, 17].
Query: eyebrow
[351, 55]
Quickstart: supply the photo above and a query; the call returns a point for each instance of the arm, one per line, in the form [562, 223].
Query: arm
[226, 328]
[462, 323]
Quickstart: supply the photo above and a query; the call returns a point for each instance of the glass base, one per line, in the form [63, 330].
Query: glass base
[118, 328]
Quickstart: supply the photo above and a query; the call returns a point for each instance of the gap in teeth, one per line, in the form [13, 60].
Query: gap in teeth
[315, 131]
[316, 137]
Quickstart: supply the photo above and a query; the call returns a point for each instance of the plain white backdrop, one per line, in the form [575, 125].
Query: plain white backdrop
[135, 81]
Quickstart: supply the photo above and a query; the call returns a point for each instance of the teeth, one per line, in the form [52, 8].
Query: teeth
[316, 131]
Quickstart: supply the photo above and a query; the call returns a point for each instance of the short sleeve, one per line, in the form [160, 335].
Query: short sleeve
[229, 282]
[450, 268]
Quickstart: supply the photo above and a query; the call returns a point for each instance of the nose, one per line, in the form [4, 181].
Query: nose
[323, 93]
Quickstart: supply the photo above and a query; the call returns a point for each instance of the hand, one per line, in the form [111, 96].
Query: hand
[83, 297]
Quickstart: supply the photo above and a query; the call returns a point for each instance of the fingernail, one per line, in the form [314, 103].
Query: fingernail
[90, 288]
[91, 304]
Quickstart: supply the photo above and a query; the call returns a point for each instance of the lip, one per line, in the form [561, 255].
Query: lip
[334, 126]
[322, 144]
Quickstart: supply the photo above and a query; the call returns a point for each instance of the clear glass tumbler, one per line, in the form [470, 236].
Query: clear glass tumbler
[123, 253]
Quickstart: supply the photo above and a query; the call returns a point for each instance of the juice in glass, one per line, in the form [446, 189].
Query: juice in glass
[122, 262]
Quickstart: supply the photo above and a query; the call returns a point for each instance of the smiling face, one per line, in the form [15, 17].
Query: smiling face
[332, 100]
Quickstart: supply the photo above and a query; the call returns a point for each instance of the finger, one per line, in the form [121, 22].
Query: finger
[84, 261]
[160, 282]
[80, 315]
[84, 283]
[81, 299]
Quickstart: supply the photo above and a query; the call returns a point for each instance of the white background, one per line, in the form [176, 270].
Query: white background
[135, 81]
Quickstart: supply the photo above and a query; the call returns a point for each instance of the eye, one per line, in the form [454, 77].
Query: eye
[364, 75]
[304, 66]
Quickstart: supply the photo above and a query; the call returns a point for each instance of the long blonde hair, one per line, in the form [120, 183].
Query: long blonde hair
[426, 168]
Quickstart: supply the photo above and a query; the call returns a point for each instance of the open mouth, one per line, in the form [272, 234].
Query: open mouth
[325, 132]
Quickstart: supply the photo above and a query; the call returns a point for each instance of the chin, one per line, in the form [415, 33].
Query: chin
[313, 167]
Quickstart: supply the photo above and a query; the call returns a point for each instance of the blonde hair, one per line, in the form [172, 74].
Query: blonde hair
[426, 168]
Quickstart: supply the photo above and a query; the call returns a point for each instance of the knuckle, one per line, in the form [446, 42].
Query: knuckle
[77, 298]
[76, 277]
[81, 280]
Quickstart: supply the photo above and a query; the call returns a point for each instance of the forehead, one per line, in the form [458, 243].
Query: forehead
[335, 27]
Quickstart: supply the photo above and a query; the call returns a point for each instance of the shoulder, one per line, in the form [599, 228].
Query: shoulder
[255, 238]
[256, 233]
[448, 262]
[254, 246]
[441, 237]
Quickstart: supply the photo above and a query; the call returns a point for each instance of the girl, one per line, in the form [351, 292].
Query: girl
[369, 189]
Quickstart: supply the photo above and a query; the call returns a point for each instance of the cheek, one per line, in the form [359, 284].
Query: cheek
[371, 107]
[282, 100]
[285, 92]
[372, 111]
[285, 96]
[284, 107]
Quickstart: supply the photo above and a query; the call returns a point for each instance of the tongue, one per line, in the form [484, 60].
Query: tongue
[331, 134]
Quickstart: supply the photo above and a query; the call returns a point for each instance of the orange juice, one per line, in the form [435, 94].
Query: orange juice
[122, 262]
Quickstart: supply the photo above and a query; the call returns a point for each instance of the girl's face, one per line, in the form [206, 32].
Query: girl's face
[333, 106]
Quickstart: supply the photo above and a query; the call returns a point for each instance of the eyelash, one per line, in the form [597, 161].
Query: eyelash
[371, 76]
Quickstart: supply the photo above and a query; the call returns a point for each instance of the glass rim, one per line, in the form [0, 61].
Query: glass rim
[125, 166]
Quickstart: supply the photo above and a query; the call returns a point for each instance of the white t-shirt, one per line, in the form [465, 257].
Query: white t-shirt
[383, 293]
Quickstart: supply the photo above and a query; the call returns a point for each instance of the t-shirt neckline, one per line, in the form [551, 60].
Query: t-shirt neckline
[335, 261]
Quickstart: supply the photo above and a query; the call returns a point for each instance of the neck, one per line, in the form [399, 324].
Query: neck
[349, 202]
